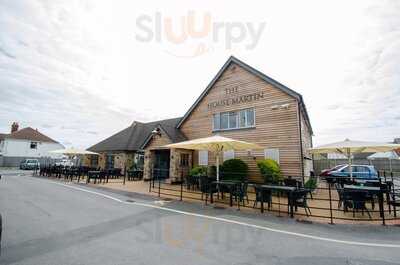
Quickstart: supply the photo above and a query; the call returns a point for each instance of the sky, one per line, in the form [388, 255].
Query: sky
[80, 71]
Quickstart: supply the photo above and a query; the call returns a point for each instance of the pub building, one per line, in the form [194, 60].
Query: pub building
[241, 103]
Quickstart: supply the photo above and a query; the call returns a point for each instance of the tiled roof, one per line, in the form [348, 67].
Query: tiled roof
[135, 136]
[28, 133]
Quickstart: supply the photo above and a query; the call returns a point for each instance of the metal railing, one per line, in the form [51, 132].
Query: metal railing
[324, 201]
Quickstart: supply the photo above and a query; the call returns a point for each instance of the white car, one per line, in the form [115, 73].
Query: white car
[65, 163]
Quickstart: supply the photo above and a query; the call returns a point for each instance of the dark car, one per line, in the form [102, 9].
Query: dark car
[29, 164]
[366, 172]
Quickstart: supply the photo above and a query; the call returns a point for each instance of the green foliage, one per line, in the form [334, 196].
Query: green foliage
[270, 170]
[198, 170]
[234, 169]
[311, 183]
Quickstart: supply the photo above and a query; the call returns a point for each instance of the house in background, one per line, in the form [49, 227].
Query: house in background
[25, 143]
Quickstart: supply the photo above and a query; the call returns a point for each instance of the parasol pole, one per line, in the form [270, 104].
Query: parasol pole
[350, 168]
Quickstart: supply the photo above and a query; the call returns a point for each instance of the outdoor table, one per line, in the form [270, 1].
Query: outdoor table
[93, 174]
[371, 190]
[289, 190]
[231, 184]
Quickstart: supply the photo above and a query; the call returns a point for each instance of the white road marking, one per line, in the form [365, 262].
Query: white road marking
[265, 228]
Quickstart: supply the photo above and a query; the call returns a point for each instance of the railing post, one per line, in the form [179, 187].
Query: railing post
[159, 186]
[181, 189]
[152, 176]
[150, 184]
[124, 174]
[330, 203]
[382, 207]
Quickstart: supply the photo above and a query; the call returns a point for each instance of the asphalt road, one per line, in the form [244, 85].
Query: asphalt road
[46, 222]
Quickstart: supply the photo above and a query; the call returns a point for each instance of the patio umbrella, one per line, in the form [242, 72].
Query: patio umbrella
[73, 152]
[349, 147]
[216, 144]
[385, 155]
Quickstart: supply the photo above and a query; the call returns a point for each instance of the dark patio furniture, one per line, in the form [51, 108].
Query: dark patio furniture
[369, 191]
[240, 193]
[343, 198]
[291, 182]
[298, 198]
[280, 189]
[358, 200]
[229, 185]
[394, 201]
[262, 196]
[192, 182]
[207, 187]
[95, 174]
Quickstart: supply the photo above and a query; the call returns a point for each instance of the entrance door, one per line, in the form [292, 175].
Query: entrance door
[161, 164]
[109, 161]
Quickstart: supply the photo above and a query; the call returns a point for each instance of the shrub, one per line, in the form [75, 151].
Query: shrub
[311, 183]
[234, 169]
[270, 170]
[198, 170]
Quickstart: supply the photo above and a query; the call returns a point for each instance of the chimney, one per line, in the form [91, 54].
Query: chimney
[14, 127]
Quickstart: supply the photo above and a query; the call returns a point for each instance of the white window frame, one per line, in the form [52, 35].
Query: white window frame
[272, 153]
[229, 154]
[238, 127]
[203, 158]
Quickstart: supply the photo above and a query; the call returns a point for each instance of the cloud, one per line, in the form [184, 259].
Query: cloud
[73, 70]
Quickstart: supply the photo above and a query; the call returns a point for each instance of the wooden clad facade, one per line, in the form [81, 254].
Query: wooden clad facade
[277, 116]
[260, 110]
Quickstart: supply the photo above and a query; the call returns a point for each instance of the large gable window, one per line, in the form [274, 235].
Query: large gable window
[234, 120]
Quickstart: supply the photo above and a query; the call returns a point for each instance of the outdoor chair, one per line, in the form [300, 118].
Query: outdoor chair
[290, 182]
[262, 195]
[192, 182]
[358, 201]
[241, 192]
[299, 199]
[394, 200]
[206, 187]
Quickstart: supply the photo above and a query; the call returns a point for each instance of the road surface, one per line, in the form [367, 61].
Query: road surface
[48, 222]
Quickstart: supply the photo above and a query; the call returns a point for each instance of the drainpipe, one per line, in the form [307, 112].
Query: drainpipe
[301, 139]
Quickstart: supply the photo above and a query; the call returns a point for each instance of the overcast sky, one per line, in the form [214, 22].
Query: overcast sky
[80, 71]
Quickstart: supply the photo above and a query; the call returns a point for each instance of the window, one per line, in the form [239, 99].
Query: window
[33, 145]
[217, 121]
[230, 154]
[94, 160]
[203, 158]
[184, 162]
[224, 120]
[272, 154]
[234, 119]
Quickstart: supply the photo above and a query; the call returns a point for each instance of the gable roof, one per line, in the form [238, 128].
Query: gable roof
[261, 75]
[136, 136]
[28, 133]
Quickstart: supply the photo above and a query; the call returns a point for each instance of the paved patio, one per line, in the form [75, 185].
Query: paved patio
[319, 204]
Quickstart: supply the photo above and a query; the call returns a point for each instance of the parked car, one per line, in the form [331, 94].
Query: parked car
[30, 164]
[65, 163]
[343, 171]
